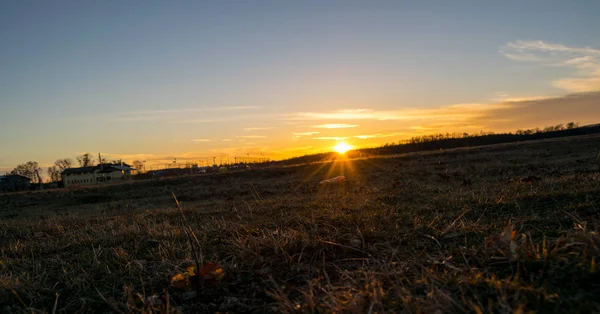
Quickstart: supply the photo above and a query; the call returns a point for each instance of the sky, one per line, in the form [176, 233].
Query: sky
[157, 80]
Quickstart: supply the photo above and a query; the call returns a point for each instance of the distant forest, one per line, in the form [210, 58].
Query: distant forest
[453, 140]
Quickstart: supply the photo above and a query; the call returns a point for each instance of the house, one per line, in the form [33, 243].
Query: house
[14, 182]
[111, 173]
[103, 173]
[79, 176]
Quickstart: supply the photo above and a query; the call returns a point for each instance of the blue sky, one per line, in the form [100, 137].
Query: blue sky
[156, 79]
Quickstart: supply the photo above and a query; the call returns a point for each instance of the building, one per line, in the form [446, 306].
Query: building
[104, 173]
[14, 182]
[79, 176]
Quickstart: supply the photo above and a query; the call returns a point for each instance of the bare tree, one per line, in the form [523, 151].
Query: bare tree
[63, 164]
[572, 125]
[29, 169]
[59, 166]
[54, 173]
[85, 160]
[138, 165]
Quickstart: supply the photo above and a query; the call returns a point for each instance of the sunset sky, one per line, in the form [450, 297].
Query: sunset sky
[153, 80]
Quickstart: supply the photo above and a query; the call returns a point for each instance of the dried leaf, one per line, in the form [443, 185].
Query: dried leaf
[191, 270]
[182, 281]
[211, 273]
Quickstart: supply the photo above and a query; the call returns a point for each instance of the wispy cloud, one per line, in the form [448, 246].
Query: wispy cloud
[251, 136]
[201, 140]
[226, 118]
[305, 133]
[379, 135]
[523, 57]
[303, 148]
[335, 126]
[452, 112]
[334, 138]
[584, 61]
[258, 129]
[420, 128]
[504, 97]
[346, 114]
[539, 45]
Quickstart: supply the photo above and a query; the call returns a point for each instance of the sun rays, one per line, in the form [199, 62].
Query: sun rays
[338, 164]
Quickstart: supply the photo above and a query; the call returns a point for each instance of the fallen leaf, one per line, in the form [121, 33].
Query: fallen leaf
[211, 273]
[182, 281]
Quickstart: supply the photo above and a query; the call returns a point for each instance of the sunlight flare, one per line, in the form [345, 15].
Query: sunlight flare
[342, 147]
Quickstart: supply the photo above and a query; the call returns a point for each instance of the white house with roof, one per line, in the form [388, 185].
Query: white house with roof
[103, 173]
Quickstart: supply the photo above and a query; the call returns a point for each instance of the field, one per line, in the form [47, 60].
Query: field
[505, 228]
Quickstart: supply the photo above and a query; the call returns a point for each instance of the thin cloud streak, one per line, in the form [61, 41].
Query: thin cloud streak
[335, 138]
[305, 133]
[335, 126]
[258, 129]
[453, 112]
[544, 46]
[379, 135]
[298, 148]
[251, 136]
[223, 118]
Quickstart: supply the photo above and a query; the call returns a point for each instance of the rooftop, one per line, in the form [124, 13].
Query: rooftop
[90, 169]
[87, 169]
[3, 177]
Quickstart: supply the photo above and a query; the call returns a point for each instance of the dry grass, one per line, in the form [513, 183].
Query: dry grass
[497, 229]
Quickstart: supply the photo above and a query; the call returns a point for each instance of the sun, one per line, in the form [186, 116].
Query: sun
[342, 147]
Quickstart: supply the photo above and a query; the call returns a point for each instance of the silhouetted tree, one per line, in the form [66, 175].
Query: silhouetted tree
[138, 165]
[85, 160]
[62, 164]
[29, 169]
[59, 166]
[54, 173]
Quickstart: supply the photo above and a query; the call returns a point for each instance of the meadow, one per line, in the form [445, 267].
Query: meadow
[508, 228]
